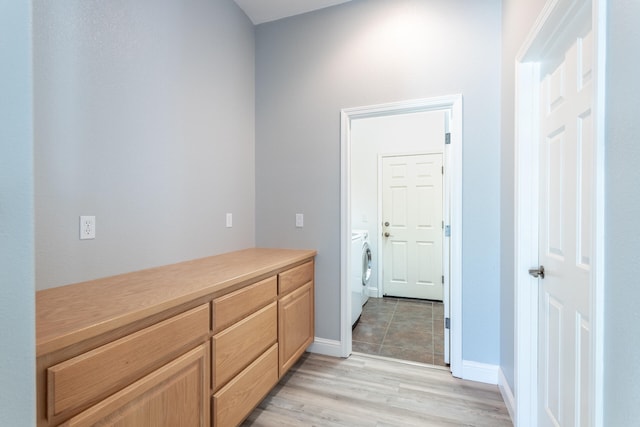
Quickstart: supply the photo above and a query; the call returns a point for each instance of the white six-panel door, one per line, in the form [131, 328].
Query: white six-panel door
[412, 217]
[565, 237]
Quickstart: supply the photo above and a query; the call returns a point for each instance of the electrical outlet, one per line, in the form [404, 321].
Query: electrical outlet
[299, 220]
[87, 227]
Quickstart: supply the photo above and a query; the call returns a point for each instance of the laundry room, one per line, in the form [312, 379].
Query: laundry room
[397, 221]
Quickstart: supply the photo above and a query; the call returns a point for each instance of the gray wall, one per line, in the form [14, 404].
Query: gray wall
[622, 230]
[17, 296]
[367, 52]
[86, 103]
[144, 117]
[518, 18]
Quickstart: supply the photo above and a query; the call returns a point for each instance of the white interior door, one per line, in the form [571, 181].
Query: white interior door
[412, 214]
[565, 235]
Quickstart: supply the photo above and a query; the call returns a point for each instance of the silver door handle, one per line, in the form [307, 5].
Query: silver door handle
[537, 272]
[387, 234]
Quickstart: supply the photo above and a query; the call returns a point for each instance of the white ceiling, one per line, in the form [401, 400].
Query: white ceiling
[260, 11]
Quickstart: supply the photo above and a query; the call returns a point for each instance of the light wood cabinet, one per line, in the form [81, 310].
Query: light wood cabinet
[197, 343]
[237, 305]
[295, 314]
[295, 332]
[236, 400]
[175, 395]
[240, 344]
[98, 373]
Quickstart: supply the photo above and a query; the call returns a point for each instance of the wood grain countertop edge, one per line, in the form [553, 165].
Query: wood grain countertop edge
[52, 341]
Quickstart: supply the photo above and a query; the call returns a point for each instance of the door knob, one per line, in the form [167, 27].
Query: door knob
[387, 234]
[386, 223]
[537, 272]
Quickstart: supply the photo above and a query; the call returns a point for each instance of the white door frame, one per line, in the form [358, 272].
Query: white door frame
[453, 166]
[552, 20]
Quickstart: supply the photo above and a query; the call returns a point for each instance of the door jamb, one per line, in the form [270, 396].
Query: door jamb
[453, 103]
[551, 20]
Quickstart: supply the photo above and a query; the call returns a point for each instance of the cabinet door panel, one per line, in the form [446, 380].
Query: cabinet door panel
[296, 325]
[176, 395]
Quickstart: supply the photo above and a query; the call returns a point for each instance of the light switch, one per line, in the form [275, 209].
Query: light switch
[299, 220]
[229, 220]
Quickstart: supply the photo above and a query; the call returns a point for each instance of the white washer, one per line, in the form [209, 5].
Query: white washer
[365, 263]
[366, 266]
[355, 278]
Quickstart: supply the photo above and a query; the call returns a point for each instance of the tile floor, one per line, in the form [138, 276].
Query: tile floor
[405, 329]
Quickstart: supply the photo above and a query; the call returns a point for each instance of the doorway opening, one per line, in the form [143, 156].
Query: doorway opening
[368, 212]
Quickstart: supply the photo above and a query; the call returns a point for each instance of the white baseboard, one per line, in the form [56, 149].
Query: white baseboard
[372, 292]
[480, 372]
[507, 395]
[326, 347]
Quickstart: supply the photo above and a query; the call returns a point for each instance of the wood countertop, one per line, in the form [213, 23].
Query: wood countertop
[69, 314]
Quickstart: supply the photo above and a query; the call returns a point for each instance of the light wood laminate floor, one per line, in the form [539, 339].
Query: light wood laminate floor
[367, 390]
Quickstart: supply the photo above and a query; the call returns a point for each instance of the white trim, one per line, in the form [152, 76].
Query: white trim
[542, 38]
[379, 207]
[411, 153]
[599, 22]
[480, 372]
[326, 347]
[447, 244]
[345, 232]
[507, 394]
[455, 281]
[526, 249]
[454, 104]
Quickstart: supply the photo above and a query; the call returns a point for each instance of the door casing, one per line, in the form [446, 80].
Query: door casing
[552, 20]
[453, 167]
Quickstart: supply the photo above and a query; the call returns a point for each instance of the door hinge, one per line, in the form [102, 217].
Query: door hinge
[447, 138]
[443, 225]
[447, 231]
[447, 323]
[443, 280]
[442, 170]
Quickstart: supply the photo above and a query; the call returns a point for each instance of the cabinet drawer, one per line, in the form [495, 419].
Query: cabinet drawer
[177, 394]
[238, 346]
[294, 278]
[107, 369]
[237, 399]
[237, 305]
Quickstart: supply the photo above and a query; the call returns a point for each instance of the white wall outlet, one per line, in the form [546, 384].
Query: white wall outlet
[87, 227]
[229, 220]
[299, 220]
